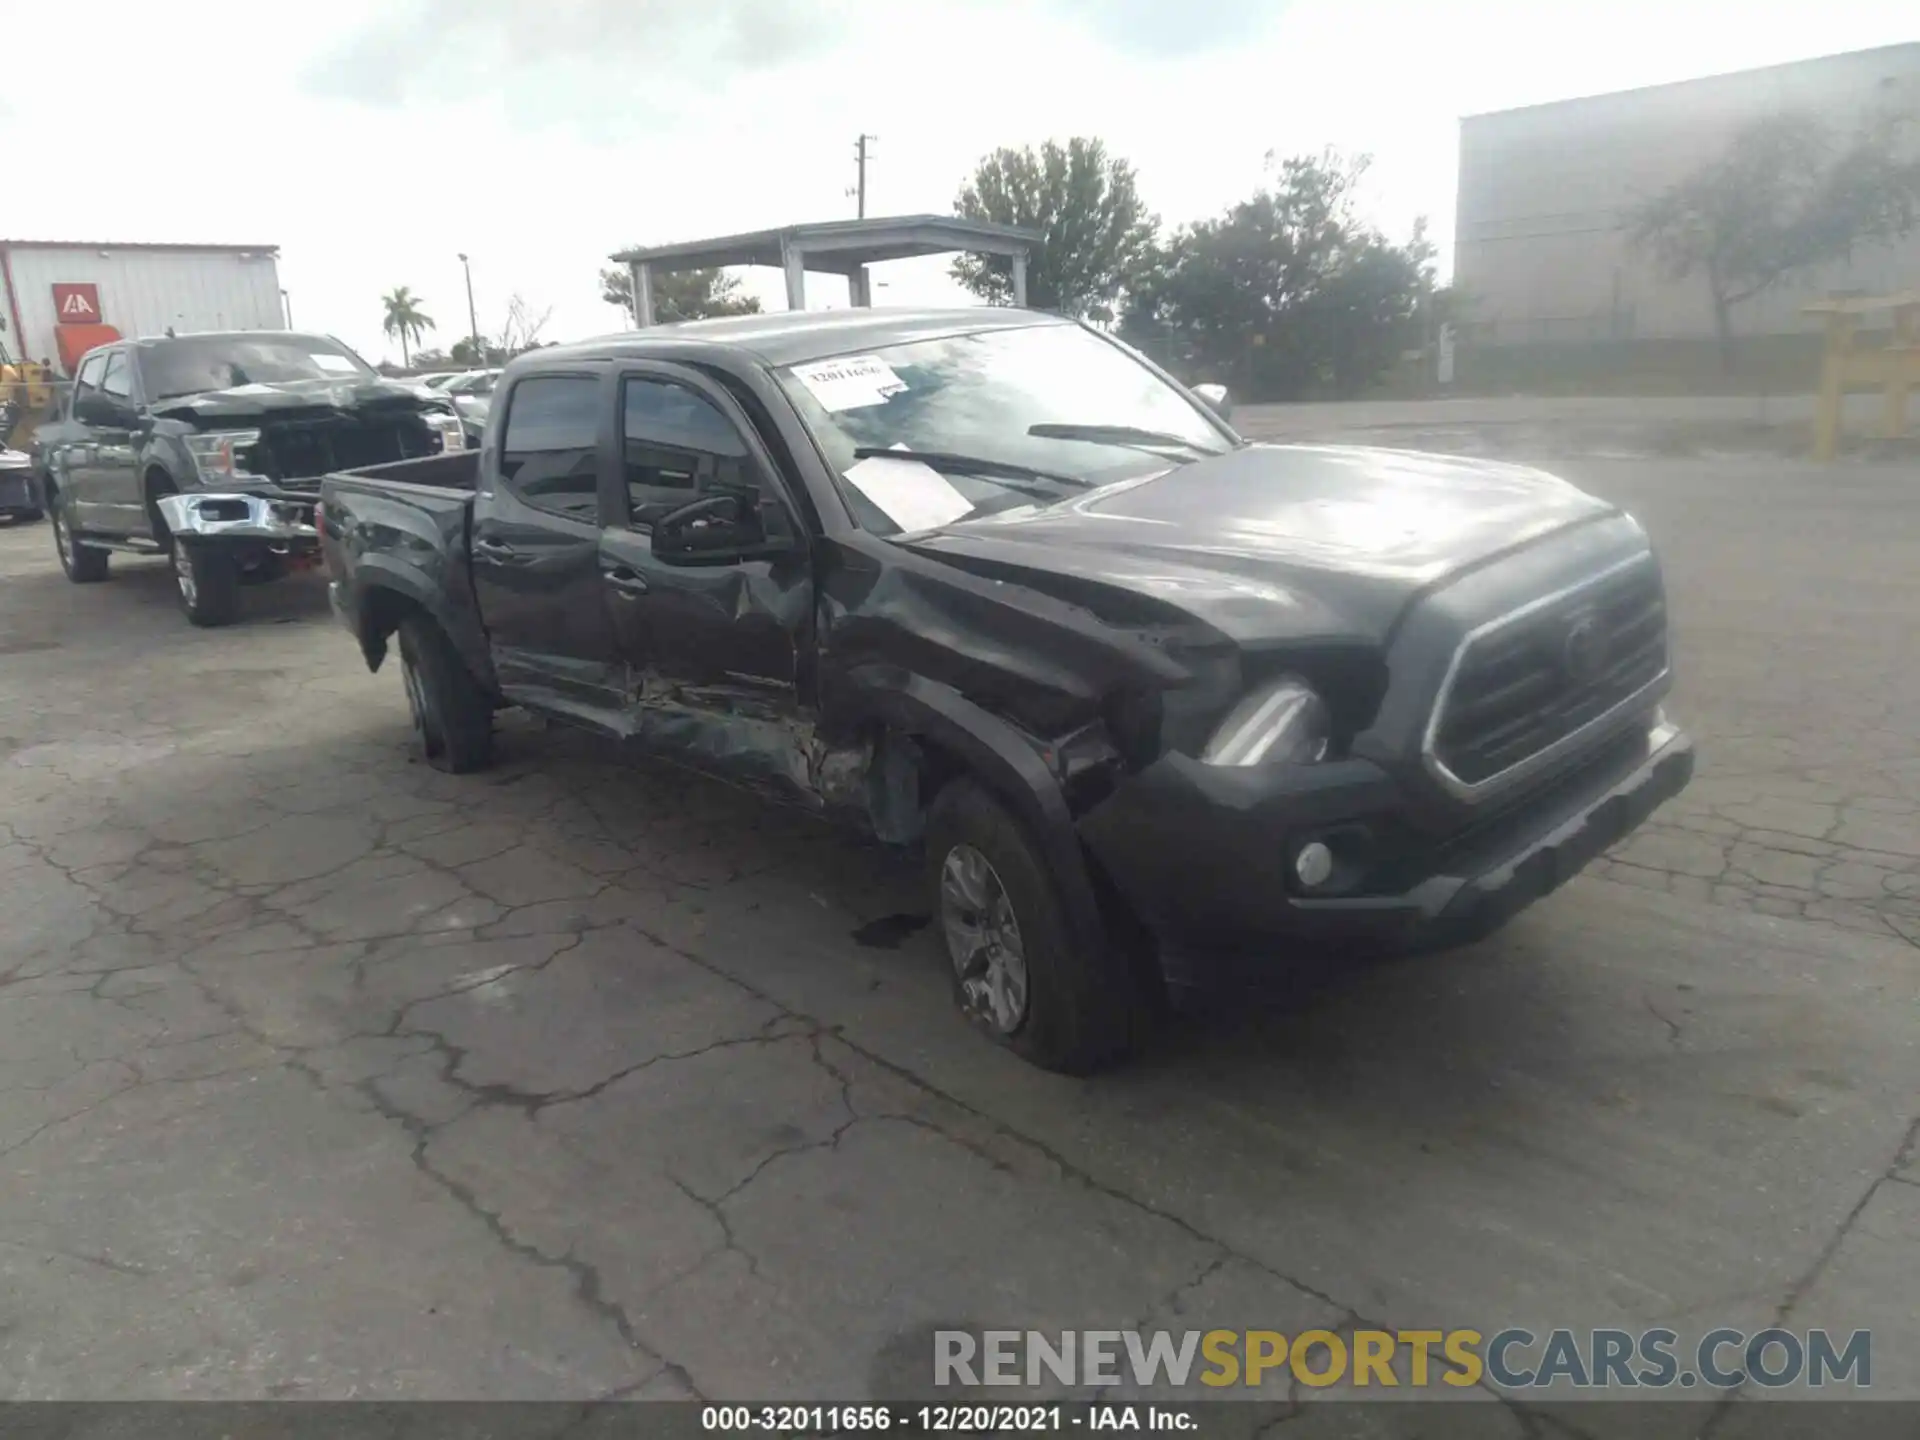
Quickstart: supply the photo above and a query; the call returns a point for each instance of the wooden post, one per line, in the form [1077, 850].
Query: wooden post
[1833, 386]
[1903, 359]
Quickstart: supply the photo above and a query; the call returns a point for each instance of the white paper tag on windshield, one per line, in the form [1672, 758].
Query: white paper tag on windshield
[338, 364]
[850, 382]
[912, 495]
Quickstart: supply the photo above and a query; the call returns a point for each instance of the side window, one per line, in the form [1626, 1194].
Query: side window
[677, 446]
[547, 454]
[118, 380]
[88, 379]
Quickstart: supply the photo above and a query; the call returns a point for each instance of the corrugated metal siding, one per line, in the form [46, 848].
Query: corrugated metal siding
[1544, 193]
[142, 292]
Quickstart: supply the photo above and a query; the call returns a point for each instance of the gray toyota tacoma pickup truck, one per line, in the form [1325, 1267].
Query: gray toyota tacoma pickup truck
[209, 448]
[990, 583]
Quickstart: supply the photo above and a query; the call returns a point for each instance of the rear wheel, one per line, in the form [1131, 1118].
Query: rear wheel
[1018, 972]
[208, 583]
[452, 715]
[83, 564]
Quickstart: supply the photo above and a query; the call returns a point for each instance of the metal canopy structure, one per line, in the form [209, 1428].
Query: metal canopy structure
[839, 247]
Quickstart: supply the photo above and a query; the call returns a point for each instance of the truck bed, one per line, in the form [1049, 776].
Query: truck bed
[403, 528]
[459, 470]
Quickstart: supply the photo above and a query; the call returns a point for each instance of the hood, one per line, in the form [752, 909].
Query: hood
[1279, 541]
[287, 398]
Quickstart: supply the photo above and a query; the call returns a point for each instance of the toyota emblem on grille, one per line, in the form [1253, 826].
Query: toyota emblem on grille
[1583, 654]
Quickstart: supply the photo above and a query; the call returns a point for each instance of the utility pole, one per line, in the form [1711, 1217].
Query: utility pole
[473, 317]
[860, 159]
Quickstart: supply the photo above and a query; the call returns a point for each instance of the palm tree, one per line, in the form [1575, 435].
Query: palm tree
[406, 319]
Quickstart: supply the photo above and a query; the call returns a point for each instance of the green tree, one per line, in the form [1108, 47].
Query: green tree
[404, 318]
[1785, 196]
[1095, 231]
[1289, 292]
[681, 294]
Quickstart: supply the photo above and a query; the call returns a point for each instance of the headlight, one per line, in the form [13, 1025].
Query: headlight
[221, 454]
[1282, 722]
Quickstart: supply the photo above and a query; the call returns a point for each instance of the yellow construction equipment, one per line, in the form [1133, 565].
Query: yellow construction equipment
[1893, 367]
[28, 389]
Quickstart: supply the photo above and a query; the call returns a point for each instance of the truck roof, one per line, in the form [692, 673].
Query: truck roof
[791, 336]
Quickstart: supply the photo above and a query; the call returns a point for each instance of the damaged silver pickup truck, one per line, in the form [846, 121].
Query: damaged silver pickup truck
[988, 581]
[209, 449]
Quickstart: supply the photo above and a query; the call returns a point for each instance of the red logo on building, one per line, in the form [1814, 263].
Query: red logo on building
[76, 304]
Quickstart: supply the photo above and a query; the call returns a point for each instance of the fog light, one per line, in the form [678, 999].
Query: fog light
[1313, 864]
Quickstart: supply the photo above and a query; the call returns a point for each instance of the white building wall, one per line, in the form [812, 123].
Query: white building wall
[1544, 195]
[143, 291]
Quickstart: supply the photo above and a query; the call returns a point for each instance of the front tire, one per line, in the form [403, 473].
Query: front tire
[83, 564]
[207, 581]
[1018, 973]
[452, 715]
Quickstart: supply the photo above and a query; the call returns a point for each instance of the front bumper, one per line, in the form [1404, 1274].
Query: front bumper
[1205, 855]
[239, 516]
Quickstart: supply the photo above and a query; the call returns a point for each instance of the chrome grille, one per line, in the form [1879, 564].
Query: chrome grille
[1533, 684]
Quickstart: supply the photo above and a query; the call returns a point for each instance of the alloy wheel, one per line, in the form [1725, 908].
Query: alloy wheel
[983, 940]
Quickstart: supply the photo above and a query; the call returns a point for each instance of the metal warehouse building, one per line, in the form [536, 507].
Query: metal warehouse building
[58, 299]
[1540, 243]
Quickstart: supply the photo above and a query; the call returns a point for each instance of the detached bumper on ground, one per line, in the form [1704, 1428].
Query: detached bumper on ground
[1207, 856]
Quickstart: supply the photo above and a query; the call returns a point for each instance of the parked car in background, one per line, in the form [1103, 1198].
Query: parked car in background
[988, 581]
[19, 495]
[209, 448]
[472, 394]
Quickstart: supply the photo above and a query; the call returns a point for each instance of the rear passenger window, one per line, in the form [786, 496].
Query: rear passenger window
[547, 454]
[677, 446]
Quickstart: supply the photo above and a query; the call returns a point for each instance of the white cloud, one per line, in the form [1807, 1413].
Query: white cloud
[374, 141]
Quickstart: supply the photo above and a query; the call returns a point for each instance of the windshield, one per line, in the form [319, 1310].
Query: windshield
[978, 397]
[191, 365]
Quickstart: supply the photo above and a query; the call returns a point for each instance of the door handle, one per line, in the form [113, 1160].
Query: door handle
[495, 550]
[627, 582]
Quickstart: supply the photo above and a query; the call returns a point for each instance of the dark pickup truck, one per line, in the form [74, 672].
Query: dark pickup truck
[989, 581]
[209, 448]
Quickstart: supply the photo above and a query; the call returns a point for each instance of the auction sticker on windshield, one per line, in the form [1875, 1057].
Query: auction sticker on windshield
[338, 364]
[913, 495]
[850, 382]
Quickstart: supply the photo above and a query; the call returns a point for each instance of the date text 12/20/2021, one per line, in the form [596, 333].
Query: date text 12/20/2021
[954, 1419]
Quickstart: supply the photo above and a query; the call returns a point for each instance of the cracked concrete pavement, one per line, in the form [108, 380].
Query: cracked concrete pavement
[325, 1075]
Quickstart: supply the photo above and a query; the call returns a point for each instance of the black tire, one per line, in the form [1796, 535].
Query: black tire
[207, 580]
[83, 564]
[452, 715]
[1081, 1010]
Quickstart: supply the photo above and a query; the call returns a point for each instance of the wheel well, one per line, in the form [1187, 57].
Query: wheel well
[382, 611]
[158, 482]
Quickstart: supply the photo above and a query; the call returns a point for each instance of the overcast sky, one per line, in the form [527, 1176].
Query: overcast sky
[373, 140]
